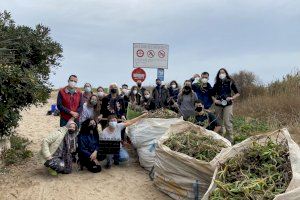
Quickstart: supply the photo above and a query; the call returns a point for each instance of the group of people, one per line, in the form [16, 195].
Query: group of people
[84, 112]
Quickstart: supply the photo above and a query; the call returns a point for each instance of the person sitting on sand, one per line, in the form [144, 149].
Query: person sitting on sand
[206, 119]
[113, 132]
[58, 147]
[88, 146]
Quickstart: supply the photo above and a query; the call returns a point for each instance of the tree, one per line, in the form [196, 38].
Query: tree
[28, 55]
[248, 83]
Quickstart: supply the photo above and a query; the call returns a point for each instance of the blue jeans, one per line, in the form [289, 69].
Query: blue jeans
[123, 156]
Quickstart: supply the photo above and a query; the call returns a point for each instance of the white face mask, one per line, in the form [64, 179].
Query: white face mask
[124, 91]
[113, 124]
[87, 89]
[72, 84]
[100, 94]
[147, 96]
[173, 86]
[197, 80]
[204, 80]
[134, 92]
[222, 76]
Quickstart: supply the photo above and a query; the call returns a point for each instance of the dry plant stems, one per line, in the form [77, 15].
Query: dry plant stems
[195, 145]
[260, 172]
[163, 113]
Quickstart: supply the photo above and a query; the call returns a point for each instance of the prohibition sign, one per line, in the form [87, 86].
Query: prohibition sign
[150, 53]
[140, 53]
[161, 53]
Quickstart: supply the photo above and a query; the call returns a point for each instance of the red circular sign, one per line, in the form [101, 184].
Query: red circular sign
[138, 74]
[140, 53]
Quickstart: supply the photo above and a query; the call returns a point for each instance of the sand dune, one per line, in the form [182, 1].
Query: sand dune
[31, 180]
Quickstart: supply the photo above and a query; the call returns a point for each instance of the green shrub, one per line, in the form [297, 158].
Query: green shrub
[18, 153]
[245, 127]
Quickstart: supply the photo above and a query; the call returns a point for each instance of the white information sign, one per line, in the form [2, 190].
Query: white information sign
[150, 55]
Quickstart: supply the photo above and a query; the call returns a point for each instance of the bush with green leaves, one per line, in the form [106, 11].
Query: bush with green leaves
[18, 151]
[24, 77]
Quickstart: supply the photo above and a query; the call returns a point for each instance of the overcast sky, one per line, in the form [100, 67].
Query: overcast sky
[203, 35]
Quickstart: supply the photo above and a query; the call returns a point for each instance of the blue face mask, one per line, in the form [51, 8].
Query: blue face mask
[113, 124]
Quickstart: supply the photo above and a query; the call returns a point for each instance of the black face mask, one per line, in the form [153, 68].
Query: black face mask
[158, 84]
[187, 88]
[91, 127]
[113, 91]
[139, 84]
[198, 109]
[71, 131]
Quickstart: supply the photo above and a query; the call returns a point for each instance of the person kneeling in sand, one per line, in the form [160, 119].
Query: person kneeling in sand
[58, 147]
[88, 146]
[113, 132]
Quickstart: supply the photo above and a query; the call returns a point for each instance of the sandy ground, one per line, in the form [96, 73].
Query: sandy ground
[31, 180]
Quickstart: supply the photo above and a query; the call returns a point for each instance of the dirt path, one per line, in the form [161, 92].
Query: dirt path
[31, 181]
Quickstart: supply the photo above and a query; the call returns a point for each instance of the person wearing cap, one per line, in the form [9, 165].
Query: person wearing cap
[141, 90]
[203, 89]
[57, 149]
[160, 95]
[125, 95]
[69, 102]
[87, 93]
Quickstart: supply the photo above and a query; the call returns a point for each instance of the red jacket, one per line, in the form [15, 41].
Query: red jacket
[67, 102]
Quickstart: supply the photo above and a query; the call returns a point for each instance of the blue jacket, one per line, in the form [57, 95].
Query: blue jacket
[204, 94]
[173, 93]
[87, 144]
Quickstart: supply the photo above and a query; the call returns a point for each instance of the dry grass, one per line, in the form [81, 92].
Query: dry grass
[278, 104]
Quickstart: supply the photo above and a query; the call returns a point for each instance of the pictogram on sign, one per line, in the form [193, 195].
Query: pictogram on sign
[150, 53]
[140, 53]
[161, 53]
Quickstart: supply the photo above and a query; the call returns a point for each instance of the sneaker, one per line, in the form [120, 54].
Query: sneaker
[52, 172]
[116, 162]
[108, 165]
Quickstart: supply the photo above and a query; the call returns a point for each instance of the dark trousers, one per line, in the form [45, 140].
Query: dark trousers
[90, 165]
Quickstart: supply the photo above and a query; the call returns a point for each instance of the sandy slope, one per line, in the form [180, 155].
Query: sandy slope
[31, 181]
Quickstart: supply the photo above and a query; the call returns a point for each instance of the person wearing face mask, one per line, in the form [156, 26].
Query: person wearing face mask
[160, 95]
[206, 119]
[140, 88]
[113, 132]
[57, 149]
[125, 95]
[224, 93]
[100, 95]
[186, 100]
[89, 109]
[87, 93]
[203, 89]
[135, 97]
[113, 104]
[148, 103]
[173, 92]
[69, 102]
[88, 146]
